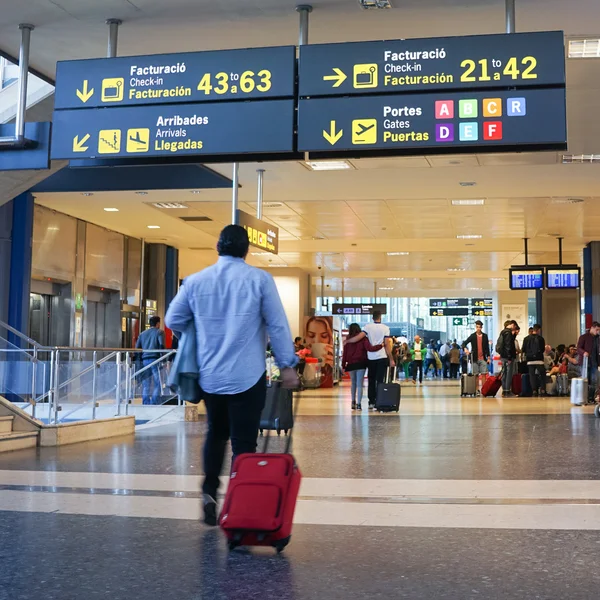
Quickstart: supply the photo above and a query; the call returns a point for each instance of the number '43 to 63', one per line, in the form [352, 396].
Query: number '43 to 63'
[247, 82]
[486, 69]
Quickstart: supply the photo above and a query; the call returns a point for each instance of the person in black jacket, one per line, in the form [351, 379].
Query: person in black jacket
[533, 349]
[480, 352]
[505, 347]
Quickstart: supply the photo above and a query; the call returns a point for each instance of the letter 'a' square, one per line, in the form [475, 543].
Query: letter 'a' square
[444, 109]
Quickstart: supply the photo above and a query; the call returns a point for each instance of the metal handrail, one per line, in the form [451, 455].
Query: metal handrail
[152, 364]
[20, 335]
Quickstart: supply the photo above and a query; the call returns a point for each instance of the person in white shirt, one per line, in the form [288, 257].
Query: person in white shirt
[445, 358]
[379, 361]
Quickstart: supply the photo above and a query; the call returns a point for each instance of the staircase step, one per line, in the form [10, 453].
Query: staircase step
[18, 440]
[6, 424]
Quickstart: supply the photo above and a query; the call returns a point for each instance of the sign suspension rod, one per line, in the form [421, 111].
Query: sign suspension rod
[234, 194]
[259, 193]
[303, 10]
[113, 37]
[510, 16]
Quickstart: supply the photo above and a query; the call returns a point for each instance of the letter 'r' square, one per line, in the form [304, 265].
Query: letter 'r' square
[492, 130]
[467, 109]
[468, 132]
[444, 109]
[516, 107]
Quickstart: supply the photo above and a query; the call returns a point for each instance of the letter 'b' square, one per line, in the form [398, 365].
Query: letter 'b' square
[444, 109]
[467, 109]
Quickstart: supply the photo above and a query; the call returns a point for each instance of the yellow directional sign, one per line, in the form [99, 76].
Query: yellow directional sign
[79, 144]
[364, 131]
[109, 141]
[112, 89]
[84, 94]
[365, 75]
[332, 136]
[339, 77]
[138, 140]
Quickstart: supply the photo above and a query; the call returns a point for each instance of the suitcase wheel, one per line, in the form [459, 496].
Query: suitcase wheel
[286, 431]
[280, 545]
[261, 432]
[279, 432]
[597, 411]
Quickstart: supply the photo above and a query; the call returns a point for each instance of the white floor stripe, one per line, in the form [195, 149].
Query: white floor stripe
[326, 487]
[323, 512]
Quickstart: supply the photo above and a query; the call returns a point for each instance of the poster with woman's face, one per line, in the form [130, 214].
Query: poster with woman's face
[318, 336]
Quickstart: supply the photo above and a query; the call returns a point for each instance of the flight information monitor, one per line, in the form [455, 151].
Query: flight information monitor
[562, 277]
[526, 278]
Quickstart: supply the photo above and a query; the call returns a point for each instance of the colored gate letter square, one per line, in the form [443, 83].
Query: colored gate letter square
[492, 130]
[444, 133]
[492, 107]
[516, 107]
[467, 109]
[444, 109]
[468, 132]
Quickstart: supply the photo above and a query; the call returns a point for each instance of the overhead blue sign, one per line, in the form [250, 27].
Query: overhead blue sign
[442, 122]
[176, 78]
[37, 156]
[175, 130]
[433, 64]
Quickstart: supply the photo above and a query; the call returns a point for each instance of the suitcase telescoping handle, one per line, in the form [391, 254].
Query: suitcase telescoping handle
[584, 368]
[288, 443]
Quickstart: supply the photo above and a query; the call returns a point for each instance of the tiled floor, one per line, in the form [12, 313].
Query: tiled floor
[452, 498]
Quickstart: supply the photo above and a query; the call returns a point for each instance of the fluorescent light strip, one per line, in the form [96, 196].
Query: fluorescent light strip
[455, 270]
[469, 237]
[395, 278]
[569, 159]
[398, 253]
[111, 210]
[328, 165]
[153, 226]
[385, 289]
[475, 202]
[587, 48]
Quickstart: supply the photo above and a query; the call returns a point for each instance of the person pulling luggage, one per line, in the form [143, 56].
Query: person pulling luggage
[480, 353]
[533, 349]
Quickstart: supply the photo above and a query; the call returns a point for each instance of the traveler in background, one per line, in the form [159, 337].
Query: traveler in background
[454, 361]
[298, 345]
[549, 361]
[533, 349]
[480, 352]
[418, 357]
[445, 358]
[430, 358]
[505, 347]
[530, 331]
[406, 357]
[233, 307]
[379, 362]
[587, 345]
[571, 361]
[355, 362]
[149, 340]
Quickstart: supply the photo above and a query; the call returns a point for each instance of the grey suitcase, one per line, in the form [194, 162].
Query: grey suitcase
[562, 385]
[468, 381]
[579, 386]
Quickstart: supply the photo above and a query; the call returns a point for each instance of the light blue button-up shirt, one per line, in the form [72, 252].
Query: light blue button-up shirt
[233, 306]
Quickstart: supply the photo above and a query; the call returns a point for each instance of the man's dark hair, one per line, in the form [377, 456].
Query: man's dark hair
[595, 324]
[376, 315]
[515, 324]
[298, 339]
[537, 327]
[233, 241]
[154, 321]
[507, 323]
[479, 323]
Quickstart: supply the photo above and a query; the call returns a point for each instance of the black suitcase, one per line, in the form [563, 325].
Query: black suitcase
[278, 413]
[388, 396]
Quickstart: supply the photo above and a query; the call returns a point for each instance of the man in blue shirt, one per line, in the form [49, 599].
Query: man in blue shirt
[151, 339]
[233, 307]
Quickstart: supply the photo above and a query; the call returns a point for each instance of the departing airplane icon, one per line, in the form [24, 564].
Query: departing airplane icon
[364, 131]
[364, 128]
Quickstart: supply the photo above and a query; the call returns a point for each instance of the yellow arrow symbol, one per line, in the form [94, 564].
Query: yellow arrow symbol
[339, 77]
[84, 95]
[78, 144]
[331, 136]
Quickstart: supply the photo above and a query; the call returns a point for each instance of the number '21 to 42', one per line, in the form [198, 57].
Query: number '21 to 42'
[511, 69]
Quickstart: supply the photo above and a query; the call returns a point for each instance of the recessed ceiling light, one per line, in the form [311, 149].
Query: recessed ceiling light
[153, 226]
[169, 205]
[142, 193]
[476, 289]
[467, 183]
[572, 159]
[469, 236]
[395, 278]
[87, 193]
[587, 48]
[369, 4]
[455, 270]
[109, 209]
[398, 253]
[385, 289]
[261, 254]
[498, 278]
[194, 191]
[272, 204]
[328, 165]
[474, 202]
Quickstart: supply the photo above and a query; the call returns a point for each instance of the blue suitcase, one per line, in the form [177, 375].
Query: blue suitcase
[526, 389]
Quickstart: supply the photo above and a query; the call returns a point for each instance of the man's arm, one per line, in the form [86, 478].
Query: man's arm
[361, 336]
[389, 346]
[467, 342]
[277, 324]
[161, 340]
[179, 315]
[581, 347]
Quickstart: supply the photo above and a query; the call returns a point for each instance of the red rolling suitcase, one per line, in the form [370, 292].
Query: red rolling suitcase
[516, 386]
[261, 499]
[492, 386]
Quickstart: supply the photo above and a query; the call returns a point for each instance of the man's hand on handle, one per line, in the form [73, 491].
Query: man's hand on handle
[289, 379]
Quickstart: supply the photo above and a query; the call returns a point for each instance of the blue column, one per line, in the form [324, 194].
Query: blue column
[20, 263]
[588, 286]
[172, 275]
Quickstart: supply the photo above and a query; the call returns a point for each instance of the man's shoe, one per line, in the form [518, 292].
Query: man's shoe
[210, 510]
[354, 406]
[359, 407]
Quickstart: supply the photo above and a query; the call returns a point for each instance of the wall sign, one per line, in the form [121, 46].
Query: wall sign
[358, 309]
[176, 78]
[260, 234]
[449, 312]
[433, 64]
[445, 122]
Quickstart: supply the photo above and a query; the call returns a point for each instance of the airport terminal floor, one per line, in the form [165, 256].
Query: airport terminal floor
[452, 498]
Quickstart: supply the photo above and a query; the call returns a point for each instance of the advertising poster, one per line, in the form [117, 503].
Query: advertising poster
[318, 336]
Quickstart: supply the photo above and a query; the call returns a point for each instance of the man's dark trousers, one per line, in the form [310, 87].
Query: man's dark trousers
[234, 416]
[377, 374]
